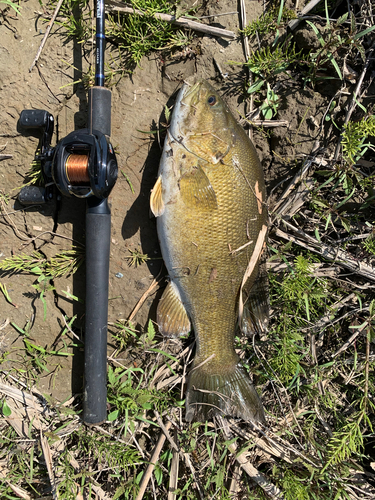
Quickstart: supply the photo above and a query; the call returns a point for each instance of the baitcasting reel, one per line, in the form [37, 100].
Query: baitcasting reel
[82, 164]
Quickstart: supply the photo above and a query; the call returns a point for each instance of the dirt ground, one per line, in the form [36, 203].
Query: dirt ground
[138, 101]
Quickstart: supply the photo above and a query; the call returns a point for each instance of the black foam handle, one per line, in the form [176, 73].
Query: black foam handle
[98, 235]
[100, 110]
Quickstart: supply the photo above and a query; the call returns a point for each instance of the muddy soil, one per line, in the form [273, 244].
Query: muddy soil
[138, 101]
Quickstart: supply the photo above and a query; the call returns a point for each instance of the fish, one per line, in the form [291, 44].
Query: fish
[210, 205]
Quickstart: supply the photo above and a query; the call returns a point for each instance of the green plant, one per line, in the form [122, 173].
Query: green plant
[14, 5]
[268, 22]
[62, 264]
[334, 38]
[267, 62]
[354, 136]
[369, 244]
[303, 290]
[35, 175]
[77, 22]
[138, 35]
[270, 105]
[136, 258]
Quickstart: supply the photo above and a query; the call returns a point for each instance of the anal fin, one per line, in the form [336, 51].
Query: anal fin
[255, 316]
[171, 314]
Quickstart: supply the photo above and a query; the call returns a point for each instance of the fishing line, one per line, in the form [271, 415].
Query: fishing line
[76, 168]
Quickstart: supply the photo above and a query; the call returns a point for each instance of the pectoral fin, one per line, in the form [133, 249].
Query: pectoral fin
[172, 318]
[196, 189]
[156, 200]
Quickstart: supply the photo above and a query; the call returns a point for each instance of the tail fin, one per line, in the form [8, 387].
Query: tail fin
[231, 393]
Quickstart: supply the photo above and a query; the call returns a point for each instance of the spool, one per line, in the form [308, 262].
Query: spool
[76, 168]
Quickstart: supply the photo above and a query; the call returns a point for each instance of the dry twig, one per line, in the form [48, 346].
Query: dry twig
[336, 255]
[50, 24]
[269, 488]
[154, 458]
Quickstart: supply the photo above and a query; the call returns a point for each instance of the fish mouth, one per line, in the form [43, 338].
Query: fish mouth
[191, 94]
[186, 102]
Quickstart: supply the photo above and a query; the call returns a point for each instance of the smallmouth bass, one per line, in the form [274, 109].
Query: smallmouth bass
[209, 201]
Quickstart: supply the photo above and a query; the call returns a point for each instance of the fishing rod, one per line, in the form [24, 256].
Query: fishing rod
[84, 165]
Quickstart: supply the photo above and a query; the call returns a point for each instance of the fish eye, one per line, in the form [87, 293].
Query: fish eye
[211, 100]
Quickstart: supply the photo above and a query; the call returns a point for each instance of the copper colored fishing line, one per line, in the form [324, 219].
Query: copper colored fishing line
[77, 169]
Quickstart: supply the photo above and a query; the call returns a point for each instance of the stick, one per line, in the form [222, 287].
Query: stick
[354, 100]
[351, 339]
[49, 464]
[50, 24]
[269, 488]
[336, 255]
[295, 22]
[147, 293]
[183, 22]
[300, 175]
[250, 267]
[155, 456]
[173, 477]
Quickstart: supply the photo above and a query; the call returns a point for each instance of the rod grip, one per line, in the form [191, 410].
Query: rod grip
[100, 110]
[98, 235]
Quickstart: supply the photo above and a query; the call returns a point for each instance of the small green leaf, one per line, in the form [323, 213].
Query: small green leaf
[255, 86]
[6, 410]
[363, 33]
[113, 415]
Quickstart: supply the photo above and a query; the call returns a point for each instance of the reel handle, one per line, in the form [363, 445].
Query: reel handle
[98, 238]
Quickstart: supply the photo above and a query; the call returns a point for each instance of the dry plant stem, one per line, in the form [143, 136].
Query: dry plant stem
[148, 292]
[295, 22]
[235, 486]
[246, 49]
[351, 339]
[173, 475]
[250, 267]
[269, 123]
[154, 458]
[354, 101]
[270, 489]
[165, 430]
[296, 179]
[50, 24]
[332, 254]
[326, 320]
[183, 22]
[48, 459]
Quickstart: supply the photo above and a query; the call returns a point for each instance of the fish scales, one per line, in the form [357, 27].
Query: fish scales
[210, 206]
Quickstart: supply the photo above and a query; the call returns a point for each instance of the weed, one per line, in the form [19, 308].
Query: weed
[369, 244]
[77, 23]
[35, 175]
[137, 35]
[14, 5]
[268, 22]
[268, 62]
[136, 258]
[354, 136]
[270, 105]
[62, 264]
